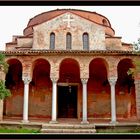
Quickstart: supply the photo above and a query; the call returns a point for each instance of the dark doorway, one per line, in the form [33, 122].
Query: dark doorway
[67, 101]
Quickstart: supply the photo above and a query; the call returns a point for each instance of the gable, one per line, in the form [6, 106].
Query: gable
[74, 24]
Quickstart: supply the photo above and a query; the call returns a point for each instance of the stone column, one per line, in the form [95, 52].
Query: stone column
[84, 117]
[26, 81]
[137, 91]
[112, 81]
[1, 110]
[54, 100]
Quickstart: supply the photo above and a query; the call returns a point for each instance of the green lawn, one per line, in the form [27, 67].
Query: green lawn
[21, 130]
[34, 131]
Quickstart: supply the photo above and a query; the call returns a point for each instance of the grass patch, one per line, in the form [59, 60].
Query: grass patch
[22, 130]
[135, 130]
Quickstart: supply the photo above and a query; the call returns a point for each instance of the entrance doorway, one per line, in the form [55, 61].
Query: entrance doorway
[67, 101]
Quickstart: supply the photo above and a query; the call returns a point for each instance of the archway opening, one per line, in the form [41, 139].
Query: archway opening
[125, 90]
[69, 79]
[98, 89]
[13, 105]
[40, 90]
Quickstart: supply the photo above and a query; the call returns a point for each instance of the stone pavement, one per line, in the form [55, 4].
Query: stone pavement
[67, 125]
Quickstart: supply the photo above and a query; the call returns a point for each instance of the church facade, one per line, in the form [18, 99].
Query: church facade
[70, 64]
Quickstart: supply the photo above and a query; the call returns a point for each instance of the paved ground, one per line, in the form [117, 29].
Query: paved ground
[40, 121]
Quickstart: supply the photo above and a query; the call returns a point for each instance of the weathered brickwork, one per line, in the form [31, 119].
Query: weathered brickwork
[98, 95]
[107, 57]
[42, 34]
[24, 42]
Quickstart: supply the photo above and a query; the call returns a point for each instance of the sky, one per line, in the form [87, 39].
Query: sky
[125, 20]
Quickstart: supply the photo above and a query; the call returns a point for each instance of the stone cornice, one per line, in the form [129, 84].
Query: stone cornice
[69, 52]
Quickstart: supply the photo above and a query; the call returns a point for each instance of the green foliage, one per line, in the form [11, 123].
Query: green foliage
[115, 130]
[136, 45]
[3, 91]
[137, 64]
[131, 71]
[22, 130]
[136, 130]
[136, 70]
[3, 65]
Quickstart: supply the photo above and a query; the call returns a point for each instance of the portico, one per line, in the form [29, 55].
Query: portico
[69, 65]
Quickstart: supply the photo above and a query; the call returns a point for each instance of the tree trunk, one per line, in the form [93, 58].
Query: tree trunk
[1, 110]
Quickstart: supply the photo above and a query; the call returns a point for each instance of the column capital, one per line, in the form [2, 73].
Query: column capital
[26, 80]
[84, 80]
[112, 80]
[54, 79]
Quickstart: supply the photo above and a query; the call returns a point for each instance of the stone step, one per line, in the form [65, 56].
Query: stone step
[68, 126]
[66, 131]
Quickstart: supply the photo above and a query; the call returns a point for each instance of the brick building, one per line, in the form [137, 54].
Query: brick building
[70, 64]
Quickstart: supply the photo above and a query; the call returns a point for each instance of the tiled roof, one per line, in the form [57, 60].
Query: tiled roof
[43, 17]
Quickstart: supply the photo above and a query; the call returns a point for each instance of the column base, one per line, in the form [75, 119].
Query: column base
[25, 121]
[114, 122]
[1, 119]
[84, 122]
[53, 122]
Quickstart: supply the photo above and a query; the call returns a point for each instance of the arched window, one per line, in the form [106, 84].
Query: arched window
[85, 41]
[52, 41]
[68, 41]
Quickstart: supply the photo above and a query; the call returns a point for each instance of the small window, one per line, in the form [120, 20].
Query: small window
[52, 41]
[68, 41]
[85, 41]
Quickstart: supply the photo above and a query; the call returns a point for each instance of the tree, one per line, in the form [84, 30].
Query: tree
[136, 45]
[136, 70]
[3, 65]
[4, 92]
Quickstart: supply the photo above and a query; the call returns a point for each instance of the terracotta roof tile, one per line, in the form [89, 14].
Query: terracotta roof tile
[43, 17]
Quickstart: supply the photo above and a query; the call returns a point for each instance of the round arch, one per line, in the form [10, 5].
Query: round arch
[11, 59]
[40, 89]
[98, 89]
[14, 74]
[34, 61]
[69, 89]
[123, 67]
[69, 70]
[103, 62]
[71, 58]
[14, 104]
[125, 90]
[40, 66]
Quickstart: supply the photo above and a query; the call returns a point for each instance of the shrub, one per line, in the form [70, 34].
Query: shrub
[3, 91]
